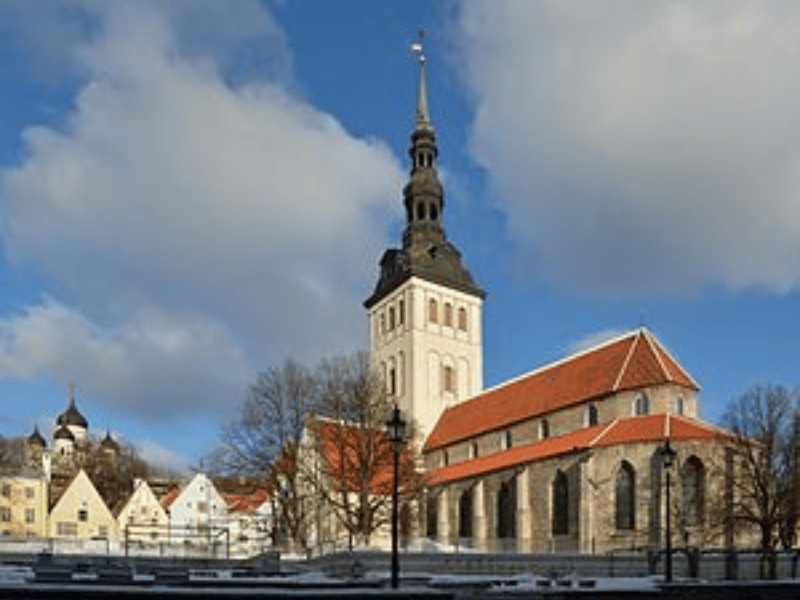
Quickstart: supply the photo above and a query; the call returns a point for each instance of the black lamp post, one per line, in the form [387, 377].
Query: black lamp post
[668, 456]
[396, 432]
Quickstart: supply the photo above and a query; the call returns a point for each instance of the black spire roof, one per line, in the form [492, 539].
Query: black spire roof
[36, 439]
[426, 252]
[63, 433]
[72, 415]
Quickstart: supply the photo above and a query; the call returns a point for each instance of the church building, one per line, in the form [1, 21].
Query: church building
[569, 456]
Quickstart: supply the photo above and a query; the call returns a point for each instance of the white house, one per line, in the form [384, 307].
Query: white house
[197, 514]
[141, 518]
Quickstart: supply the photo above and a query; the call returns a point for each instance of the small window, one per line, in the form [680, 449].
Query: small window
[445, 458]
[67, 528]
[544, 429]
[6, 490]
[401, 310]
[391, 318]
[420, 212]
[679, 405]
[30, 493]
[591, 415]
[433, 311]
[102, 531]
[448, 314]
[506, 440]
[434, 214]
[83, 515]
[392, 382]
[383, 324]
[5, 514]
[30, 515]
[462, 319]
[473, 450]
[448, 379]
[641, 404]
[202, 507]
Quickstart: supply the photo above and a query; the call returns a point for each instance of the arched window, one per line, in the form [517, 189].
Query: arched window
[626, 496]
[448, 314]
[465, 514]
[432, 517]
[401, 312]
[506, 439]
[473, 450]
[433, 213]
[445, 458]
[383, 324]
[560, 504]
[507, 509]
[693, 497]
[421, 211]
[433, 311]
[462, 319]
[679, 405]
[641, 404]
[448, 379]
[392, 381]
[591, 415]
[391, 318]
[544, 429]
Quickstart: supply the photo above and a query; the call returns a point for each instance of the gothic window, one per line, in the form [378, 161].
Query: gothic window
[433, 311]
[392, 382]
[391, 318]
[448, 314]
[420, 212]
[433, 212]
[641, 404]
[626, 490]
[693, 483]
[507, 509]
[591, 415]
[465, 514]
[462, 319]
[401, 312]
[679, 405]
[544, 429]
[448, 379]
[432, 517]
[560, 504]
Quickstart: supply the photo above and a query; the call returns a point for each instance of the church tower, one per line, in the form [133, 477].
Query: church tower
[425, 316]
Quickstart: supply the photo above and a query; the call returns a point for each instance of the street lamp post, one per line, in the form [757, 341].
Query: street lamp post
[668, 456]
[396, 432]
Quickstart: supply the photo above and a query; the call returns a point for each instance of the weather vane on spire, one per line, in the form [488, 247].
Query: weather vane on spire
[416, 47]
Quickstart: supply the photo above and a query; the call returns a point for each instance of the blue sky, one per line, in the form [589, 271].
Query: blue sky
[193, 191]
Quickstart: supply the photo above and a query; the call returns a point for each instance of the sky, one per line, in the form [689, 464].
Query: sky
[194, 191]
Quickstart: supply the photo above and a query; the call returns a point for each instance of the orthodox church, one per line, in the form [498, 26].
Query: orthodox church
[569, 456]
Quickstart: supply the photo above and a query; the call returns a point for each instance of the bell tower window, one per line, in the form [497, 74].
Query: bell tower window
[420, 212]
[433, 310]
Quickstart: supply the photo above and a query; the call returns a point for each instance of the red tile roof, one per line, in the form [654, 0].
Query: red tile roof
[631, 361]
[347, 448]
[630, 430]
[247, 503]
[168, 498]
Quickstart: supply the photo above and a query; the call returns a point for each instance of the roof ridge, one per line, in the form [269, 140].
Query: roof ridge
[625, 363]
[547, 366]
[706, 424]
[650, 342]
[660, 347]
[604, 432]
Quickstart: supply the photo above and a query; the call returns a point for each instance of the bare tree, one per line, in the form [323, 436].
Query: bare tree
[763, 419]
[264, 440]
[354, 459]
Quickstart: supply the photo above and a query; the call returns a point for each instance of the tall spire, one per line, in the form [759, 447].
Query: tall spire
[423, 120]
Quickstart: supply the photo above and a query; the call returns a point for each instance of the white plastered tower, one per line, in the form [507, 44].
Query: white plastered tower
[425, 314]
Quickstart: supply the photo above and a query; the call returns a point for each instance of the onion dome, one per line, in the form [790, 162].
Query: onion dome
[36, 439]
[63, 433]
[72, 416]
[108, 444]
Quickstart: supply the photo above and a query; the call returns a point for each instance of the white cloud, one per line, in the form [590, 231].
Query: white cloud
[642, 145]
[168, 187]
[592, 340]
[155, 454]
[155, 366]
